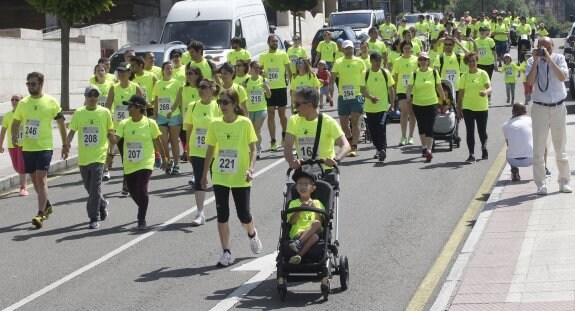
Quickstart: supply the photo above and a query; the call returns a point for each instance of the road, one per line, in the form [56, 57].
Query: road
[394, 220]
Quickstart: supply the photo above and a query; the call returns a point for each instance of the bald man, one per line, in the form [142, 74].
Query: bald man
[546, 72]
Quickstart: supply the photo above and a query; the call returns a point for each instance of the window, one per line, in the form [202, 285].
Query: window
[215, 35]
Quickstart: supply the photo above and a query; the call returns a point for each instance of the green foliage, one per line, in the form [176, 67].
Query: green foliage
[475, 7]
[553, 26]
[291, 5]
[74, 11]
[431, 5]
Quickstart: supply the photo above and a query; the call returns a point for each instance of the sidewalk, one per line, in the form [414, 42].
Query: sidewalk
[520, 254]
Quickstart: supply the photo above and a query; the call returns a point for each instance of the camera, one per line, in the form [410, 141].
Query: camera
[540, 52]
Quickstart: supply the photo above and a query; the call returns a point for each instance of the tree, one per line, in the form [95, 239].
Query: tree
[295, 6]
[430, 5]
[69, 12]
[475, 7]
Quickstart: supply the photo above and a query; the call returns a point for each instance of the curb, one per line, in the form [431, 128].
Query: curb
[13, 181]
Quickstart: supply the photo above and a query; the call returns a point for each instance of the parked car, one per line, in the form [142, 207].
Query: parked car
[345, 33]
[360, 21]
[161, 52]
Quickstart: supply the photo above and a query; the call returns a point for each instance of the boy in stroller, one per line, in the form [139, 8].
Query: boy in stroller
[305, 225]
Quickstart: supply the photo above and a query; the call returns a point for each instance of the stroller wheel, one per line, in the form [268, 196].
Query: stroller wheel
[451, 144]
[344, 273]
[325, 288]
[282, 288]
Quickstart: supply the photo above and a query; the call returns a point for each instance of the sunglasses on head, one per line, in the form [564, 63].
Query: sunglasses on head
[223, 102]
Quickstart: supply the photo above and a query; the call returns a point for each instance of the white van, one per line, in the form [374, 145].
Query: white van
[359, 20]
[215, 22]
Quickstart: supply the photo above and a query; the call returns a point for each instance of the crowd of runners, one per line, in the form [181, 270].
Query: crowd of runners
[191, 111]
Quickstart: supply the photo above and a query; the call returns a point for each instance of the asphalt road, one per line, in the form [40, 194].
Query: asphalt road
[394, 220]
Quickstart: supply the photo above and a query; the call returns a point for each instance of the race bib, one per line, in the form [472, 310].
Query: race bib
[273, 74]
[293, 59]
[256, 96]
[508, 72]
[90, 136]
[348, 92]
[451, 76]
[102, 101]
[135, 151]
[405, 79]
[524, 37]
[314, 170]
[32, 129]
[201, 137]
[482, 52]
[305, 147]
[228, 161]
[164, 105]
[121, 112]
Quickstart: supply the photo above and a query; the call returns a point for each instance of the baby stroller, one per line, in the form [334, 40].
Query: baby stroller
[446, 127]
[322, 261]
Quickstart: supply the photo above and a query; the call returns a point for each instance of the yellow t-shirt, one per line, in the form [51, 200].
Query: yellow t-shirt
[104, 88]
[7, 124]
[367, 61]
[424, 87]
[274, 68]
[304, 220]
[376, 86]
[387, 31]
[451, 69]
[92, 128]
[204, 67]
[473, 84]
[435, 30]
[36, 117]
[240, 90]
[189, 95]
[240, 80]
[500, 28]
[522, 70]
[294, 53]
[138, 143]
[146, 83]
[416, 46]
[233, 56]
[510, 72]
[256, 94]
[400, 31]
[119, 110]
[200, 116]
[327, 50]
[304, 133]
[403, 68]
[109, 77]
[306, 80]
[393, 55]
[231, 153]
[166, 92]
[338, 55]
[542, 32]
[421, 28]
[178, 74]
[351, 74]
[157, 71]
[524, 29]
[485, 51]
[377, 47]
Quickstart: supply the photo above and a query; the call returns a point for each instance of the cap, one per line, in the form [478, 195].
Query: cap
[322, 62]
[483, 28]
[506, 55]
[136, 100]
[347, 44]
[91, 89]
[301, 173]
[123, 66]
[339, 40]
[424, 55]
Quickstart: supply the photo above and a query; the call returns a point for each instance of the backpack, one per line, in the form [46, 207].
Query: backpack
[434, 76]
[441, 62]
[383, 71]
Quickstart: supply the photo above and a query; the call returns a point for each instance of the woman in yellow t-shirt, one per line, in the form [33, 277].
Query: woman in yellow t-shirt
[231, 144]
[394, 53]
[424, 85]
[228, 73]
[303, 76]
[258, 90]
[187, 94]
[364, 53]
[242, 70]
[403, 67]
[102, 83]
[15, 151]
[473, 104]
[200, 114]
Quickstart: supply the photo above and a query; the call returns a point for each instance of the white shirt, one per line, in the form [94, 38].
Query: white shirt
[519, 136]
[552, 90]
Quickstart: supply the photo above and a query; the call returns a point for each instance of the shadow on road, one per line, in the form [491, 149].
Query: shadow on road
[163, 273]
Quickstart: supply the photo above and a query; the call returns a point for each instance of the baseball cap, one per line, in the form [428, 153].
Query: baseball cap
[136, 100]
[483, 28]
[301, 173]
[424, 55]
[506, 55]
[123, 66]
[347, 44]
[90, 89]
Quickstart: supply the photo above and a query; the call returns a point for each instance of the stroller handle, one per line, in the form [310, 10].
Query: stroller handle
[313, 162]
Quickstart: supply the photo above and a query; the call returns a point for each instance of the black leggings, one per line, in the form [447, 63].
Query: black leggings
[488, 68]
[376, 123]
[241, 197]
[470, 118]
[425, 116]
[198, 171]
[138, 187]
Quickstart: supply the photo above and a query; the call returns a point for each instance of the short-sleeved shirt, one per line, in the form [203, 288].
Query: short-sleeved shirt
[200, 116]
[403, 68]
[377, 86]
[351, 74]
[400, 31]
[542, 32]
[109, 77]
[305, 219]
[424, 87]
[7, 124]
[205, 67]
[510, 72]
[243, 54]
[304, 80]
[146, 83]
[485, 51]
[138, 143]
[393, 55]
[473, 84]
[231, 151]
[157, 71]
[274, 68]
[501, 28]
[327, 50]
[256, 94]
[238, 89]
[104, 89]
[451, 68]
[524, 29]
[36, 115]
[304, 133]
[119, 110]
[387, 31]
[179, 74]
[518, 132]
[92, 127]
[421, 28]
[189, 95]
[435, 30]
[166, 92]
[294, 53]
[376, 47]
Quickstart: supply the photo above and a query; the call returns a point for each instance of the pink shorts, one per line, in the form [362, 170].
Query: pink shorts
[17, 159]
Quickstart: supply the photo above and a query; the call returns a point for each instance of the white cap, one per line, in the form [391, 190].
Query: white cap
[347, 44]
[507, 55]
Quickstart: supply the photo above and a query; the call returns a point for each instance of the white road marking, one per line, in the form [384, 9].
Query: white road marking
[120, 249]
[265, 266]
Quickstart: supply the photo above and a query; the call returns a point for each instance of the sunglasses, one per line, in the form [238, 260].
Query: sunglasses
[203, 87]
[224, 102]
[15, 100]
[300, 63]
[303, 186]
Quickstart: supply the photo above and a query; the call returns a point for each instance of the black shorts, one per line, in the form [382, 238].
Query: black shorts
[37, 160]
[278, 98]
[401, 96]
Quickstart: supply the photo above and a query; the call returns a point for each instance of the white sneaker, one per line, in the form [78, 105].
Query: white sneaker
[564, 187]
[542, 190]
[376, 155]
[106, 175]
[225, 260]
[256, 243]
[200, 220]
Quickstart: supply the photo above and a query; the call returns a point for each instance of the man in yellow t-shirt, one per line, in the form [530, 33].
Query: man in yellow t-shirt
[387, 30]
[94, 126]
[275, 64]
[376, 46]
[149, 60]
[422, 27]
[35, 113]
[238, 52]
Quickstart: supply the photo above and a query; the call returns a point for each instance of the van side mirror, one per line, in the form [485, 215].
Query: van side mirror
[272, 29]
[243, 42]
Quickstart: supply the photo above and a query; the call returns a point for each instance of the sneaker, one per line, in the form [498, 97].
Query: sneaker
[104, 211]
[48, 210]
[185, 157]
[295, 246]
[547, 172]
[93, 224]
[200, 220]
[106, 175]
[382, 155]
[295, 260]
[484, 154]
[353, 152]
[38, 221]
[158, 163]
[273, 146]
[225, 260]
[23, 192]
[410, 140]
[259, 155]
[507, 100]
[256, 243]
[470, 159]
[142, 225]
[515, 174]
[564, 187]
[376, 155]
[428, 157]
[542, 190]
[423, 152]
[170, 167]
[403, 141]
[176, 170]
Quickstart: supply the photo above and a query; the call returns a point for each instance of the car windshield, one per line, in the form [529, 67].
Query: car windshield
[119, 58]
[357, 19]
[335, 34]
[215, 35]
[411, 19]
